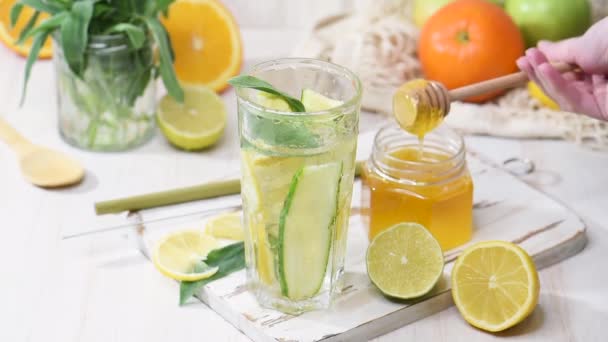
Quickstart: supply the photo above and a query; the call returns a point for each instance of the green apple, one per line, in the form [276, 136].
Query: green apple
[424, 9]
[549, 19]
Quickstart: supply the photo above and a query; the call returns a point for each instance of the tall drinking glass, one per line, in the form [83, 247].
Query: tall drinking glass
[297, 179]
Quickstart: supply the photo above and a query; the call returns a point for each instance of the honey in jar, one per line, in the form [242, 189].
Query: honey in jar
[406, 181]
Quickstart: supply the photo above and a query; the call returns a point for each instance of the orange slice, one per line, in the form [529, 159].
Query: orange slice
[206, 41]
[10, 35]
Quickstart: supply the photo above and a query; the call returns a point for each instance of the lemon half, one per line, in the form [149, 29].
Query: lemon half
[495, 285]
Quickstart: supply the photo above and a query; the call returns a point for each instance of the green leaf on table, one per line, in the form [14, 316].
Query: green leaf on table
[229, 259]
[136, 35]
[39, 40]
[166, 61]
[253, 82]
[74, 34]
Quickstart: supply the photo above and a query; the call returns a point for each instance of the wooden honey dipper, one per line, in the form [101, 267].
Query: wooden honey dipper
[419, 105]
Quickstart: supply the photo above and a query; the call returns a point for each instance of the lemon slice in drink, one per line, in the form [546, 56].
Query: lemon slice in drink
[179, 255]
[495, 285]
[226, 226]
[314, 102]
[273, 102]
[197, 123]
[405, 261]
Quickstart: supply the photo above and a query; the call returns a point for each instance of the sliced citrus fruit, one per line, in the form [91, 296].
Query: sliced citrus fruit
[495, 285]
[314, 102]
[197, 123]
[226, 226]
[537, 93]
[179, 255]
[206, 41]
[405, 261]
[10, 35]
[273, 102]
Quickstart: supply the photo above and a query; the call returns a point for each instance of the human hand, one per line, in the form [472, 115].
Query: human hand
[583, 91]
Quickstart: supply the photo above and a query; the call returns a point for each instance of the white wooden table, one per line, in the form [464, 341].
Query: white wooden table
[102, 290]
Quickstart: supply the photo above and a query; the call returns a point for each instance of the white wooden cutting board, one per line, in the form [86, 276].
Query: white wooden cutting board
[504, 209]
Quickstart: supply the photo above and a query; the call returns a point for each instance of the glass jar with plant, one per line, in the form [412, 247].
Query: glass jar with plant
[107, 55]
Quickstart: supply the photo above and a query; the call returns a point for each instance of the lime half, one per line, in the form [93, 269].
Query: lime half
[196, 123]
[404, 261]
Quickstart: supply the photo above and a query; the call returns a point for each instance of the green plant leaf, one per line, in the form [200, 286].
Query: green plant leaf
[27, 28]
[48, 24]
[74, 35]
[102, 10]
[166, 62]
[136, 35]
[155, 6]
[39, 40]
[51, 7]
[248, 81]
[15, 13]
[229, 259]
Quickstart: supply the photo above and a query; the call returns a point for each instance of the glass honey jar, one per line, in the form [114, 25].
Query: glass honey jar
[407, 180]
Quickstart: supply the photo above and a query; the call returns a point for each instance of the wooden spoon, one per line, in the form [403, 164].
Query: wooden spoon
[417, 107]
[41, 166]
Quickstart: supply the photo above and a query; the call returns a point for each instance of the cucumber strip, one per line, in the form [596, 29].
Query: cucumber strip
[305, 229]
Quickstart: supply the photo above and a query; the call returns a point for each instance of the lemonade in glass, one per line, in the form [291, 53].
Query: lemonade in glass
[297, 178]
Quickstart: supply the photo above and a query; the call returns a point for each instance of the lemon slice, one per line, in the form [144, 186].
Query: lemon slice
[197, 123]
[179, 255]
[405, 261]
[537, 93]
[226, 226]
[314, 102]
[495, 285]
[273, 102]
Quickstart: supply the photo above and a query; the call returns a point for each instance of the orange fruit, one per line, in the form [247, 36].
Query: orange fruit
[10, 35]
[469, 41]
[206, 41]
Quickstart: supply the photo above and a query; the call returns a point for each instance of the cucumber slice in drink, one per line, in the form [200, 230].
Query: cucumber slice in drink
[305, 229]
[314, 102]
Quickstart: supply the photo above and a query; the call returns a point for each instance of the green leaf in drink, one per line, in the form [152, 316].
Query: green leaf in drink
[247, 81]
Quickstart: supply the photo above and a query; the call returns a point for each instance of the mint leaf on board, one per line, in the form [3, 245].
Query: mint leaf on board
[248, 81]
[229, 259]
